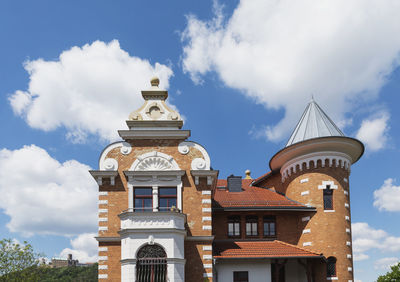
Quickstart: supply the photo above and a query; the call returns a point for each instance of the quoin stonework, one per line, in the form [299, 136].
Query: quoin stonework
[165, 216]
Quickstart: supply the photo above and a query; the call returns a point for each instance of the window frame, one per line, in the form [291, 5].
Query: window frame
[269, 219]
[328, 194]
[160, 197]
[252, 219]
[143, 208]
[234, 219]
[239, 279]
[331, 261]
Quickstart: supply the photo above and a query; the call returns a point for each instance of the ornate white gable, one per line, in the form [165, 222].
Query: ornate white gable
[154, 161]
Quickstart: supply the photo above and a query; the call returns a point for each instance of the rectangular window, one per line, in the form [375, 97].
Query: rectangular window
[234, 226]
[240, 276]
[167, 199]
[143, 199]
[328, 198]
[251, 225]
[269, 226]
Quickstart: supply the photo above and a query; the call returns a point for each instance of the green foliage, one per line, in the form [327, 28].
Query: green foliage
[391, 276]
[15, 257]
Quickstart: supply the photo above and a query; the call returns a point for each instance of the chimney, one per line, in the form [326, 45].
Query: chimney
[234, 183]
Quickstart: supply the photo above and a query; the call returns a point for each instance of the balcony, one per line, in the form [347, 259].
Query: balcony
[145, 219]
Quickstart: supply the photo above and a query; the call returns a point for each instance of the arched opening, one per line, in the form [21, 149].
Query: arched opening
[151, 264]
[331, 267]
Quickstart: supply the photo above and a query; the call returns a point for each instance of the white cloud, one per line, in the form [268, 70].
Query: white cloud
[88, 90]
[84, 248]
[374, 132]
[366, 238]
[386, 263]
[387, 197]
[44, 196]
[280, 52]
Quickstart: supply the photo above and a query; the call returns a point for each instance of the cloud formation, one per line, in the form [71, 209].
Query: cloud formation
[44, 196]
[88, 90]
[387, 197]
[374, 132]
[278, 53]
[84, 248]
[386, 263]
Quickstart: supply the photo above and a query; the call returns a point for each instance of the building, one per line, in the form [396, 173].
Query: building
[165, 216]
[60, 262]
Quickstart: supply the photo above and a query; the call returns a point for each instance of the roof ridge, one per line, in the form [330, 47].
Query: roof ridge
[297, 247]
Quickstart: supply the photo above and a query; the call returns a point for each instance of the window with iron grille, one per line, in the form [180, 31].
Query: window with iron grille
[240, 276]
[167, 199]
[331, 267]
[251, 225]
[269, 226]
[328, 198]
[151, 264]
[234, 226]
[143, 199]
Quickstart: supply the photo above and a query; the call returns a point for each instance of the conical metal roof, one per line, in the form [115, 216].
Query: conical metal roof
[314, 123]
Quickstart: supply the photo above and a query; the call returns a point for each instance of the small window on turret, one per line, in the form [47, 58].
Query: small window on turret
[331, 267]
[328, 198]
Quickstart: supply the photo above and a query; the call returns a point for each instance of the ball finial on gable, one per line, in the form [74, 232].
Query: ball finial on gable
[155, 81]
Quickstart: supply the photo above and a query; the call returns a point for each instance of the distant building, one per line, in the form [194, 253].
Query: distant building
[165, 216]
[59, 262]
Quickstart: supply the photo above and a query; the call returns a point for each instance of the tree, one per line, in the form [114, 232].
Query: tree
[16, 257]
[393, 275]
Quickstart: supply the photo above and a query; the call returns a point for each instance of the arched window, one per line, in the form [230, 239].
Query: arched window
[151, 264]
[328, 198]
[331, 267]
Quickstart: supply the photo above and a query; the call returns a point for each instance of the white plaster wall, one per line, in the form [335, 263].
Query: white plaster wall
[295, 272]
[176, 272]
[259, 271]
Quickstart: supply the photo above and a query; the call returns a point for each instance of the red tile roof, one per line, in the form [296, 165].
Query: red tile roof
[260, 249]
[251, 196]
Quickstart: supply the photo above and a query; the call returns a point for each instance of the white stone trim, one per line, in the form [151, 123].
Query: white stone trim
[304, 180]
[305, 244]
[346, 193]
[103, 228]
[343, 159]
[207, 257]
[305, 218]
[206, 209]
[207, 248]
[207, 227]
[329, 210]
[305, 193]
[103, 276]
[345, 180]
[346, 205]
[103, 211]
[206, 218]
[106, 151]
[348, 243]
[326, 183]
[103, 266]
[154, 161]
[103, 219]
[348, 230]
[206, 201]
[305, 231]
[350, 269]
[103, 258]
[103, 193]
[208, 274]
[207, 265]
[347, 218]
[349, 256]
[206, 192]
[103, 249]
[332, 278]
[185, 147]
[103, 202]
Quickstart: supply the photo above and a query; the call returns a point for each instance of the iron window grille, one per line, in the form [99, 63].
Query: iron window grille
[328, 198]
[331, 267]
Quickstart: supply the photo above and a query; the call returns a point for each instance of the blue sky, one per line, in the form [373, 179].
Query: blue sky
[240, 72]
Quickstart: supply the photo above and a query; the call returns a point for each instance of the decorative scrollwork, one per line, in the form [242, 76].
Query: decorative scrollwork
[151, 251]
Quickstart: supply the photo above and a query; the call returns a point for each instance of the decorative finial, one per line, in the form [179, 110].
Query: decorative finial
[312, 97]
[155, 81]
[248, 172]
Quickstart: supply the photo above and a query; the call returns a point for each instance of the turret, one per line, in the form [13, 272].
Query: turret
[315, 167]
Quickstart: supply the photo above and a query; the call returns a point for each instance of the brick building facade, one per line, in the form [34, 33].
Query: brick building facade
[165, 216]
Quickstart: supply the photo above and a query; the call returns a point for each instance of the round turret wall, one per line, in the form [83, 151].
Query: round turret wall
[328, 231]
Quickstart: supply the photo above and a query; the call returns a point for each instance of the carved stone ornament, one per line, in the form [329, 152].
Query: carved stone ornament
[151, 251]
[199, 164]
[183, 148]
[126, 148]
[154, 163]
[110, 164]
